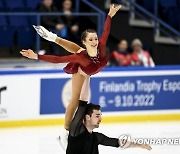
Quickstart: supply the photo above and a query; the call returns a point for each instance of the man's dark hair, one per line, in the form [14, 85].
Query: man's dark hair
[90, 107]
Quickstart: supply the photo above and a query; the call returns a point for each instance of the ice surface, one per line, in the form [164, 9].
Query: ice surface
[42, 140]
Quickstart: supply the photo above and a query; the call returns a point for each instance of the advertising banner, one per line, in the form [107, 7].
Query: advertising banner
[19, 97]
[137, 92]
[39, 94]
[131, 93]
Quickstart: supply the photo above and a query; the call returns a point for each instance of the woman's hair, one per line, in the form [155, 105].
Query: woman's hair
[84, 34]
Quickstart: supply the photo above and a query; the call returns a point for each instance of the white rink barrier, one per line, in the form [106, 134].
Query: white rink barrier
[134, 94]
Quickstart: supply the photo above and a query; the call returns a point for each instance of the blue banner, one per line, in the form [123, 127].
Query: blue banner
[51, 96]
[136, 93]
[116, 93]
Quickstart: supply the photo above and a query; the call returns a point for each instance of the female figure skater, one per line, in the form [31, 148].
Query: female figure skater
[82, 63]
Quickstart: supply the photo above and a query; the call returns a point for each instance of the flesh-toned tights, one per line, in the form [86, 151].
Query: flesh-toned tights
[80, 91]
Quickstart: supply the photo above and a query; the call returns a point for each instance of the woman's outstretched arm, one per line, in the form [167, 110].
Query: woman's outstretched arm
[107, 27]
[51, 58]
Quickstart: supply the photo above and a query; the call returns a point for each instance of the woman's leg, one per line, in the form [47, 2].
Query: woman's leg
[77, 83]
[85, 91]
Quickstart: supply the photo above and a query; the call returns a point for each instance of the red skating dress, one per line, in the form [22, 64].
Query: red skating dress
[89, 65]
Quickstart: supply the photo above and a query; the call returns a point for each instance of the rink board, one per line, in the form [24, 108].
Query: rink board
[39, 97]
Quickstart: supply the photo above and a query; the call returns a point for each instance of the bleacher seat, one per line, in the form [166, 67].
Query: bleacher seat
[14, 4]
[3, 21]
[1, 4]
[32, 3]
[168, 3]
[7, 36]
[3, 7]
[25, 37]
[20, 9]
[32, 20]
[18, 21]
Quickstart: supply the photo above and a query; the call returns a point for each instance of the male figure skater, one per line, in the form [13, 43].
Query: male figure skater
[82, 139]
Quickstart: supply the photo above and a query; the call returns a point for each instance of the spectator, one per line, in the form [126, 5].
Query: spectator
[121, 55]
[50, 22]
[140, 56]
[70, 21]
[53, 23]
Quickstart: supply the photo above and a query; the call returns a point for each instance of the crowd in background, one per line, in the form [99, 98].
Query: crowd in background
[134, 56]
[68, 27]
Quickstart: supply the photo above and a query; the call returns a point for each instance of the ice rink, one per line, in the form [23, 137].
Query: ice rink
[42, 140]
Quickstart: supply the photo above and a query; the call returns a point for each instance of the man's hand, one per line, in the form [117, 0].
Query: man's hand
[44, 33]
[113, 10]
[145, 146]
[128, 144]
[29, 54]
